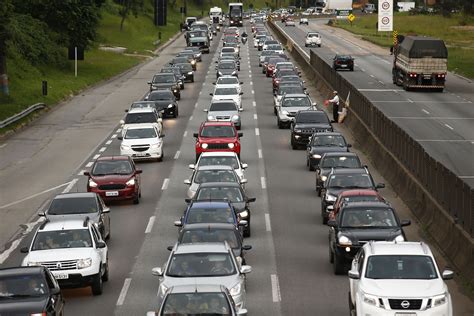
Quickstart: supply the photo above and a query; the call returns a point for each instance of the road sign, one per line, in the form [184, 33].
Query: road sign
[351, 17]
[385, 15]
[395, 35]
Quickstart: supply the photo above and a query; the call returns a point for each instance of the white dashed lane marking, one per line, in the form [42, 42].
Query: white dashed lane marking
[450, 127]
[257, 131]
[113, 136]
[275, 288]
[268, 227]
[96, 156]
[149, 227]
[425, 111]
[260, 154]
[263, 182]
[81, 173]
[108, 142]
[123, 292]
[255, 117]
[254, 103]
[102, 149]
[185, 133]
[176, 156]
[70, 185]
[89, 164]
[165, 184]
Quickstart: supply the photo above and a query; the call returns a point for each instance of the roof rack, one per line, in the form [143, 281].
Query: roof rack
[424, 247]
[86, 221]
[46, 221]
[371, 244]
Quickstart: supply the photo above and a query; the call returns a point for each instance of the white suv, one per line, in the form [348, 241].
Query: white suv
[73, 250]
[390, 278]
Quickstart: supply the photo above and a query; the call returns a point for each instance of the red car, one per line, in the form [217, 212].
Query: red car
[271, 65]
[217, 136]
[115, 178]
[358, 195]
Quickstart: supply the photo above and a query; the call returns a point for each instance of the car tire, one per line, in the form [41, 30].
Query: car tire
[279, 124]
[105, 276]
[338, 265]
[331, 255]
[310, 166]
[176, 113]
[247, 231]
[192, 79]
[305, 45]
[275, 111]
[136, 200]
[162, 155]
[352, 308]
[97, 284]
[178, 97]
[197, 157]
[319, 45]
[293, 145]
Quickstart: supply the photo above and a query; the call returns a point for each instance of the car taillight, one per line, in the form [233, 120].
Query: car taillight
[412, 75]
[441, 75]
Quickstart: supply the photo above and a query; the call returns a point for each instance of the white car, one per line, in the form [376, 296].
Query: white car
[142, 142]
[227, 94]
[312, 39]
[257, 39]
[277, 48]
[140, 116]
[225, 158]
[269, 42]
[74, 252]
[225, 110]
[229, 82]
[289, 22]
[304, 21]
[398, 278]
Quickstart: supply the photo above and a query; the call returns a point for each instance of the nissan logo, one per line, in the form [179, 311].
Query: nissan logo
[405, 304]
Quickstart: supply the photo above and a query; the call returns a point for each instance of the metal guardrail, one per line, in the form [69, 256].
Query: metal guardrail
[22, 114]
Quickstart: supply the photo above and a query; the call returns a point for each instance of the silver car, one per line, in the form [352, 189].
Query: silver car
[201, 264]
[225, 110]
[289, 106]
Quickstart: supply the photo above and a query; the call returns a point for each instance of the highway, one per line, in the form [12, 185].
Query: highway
[291, 270]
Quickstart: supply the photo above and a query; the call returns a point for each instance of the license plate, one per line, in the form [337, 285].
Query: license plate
[61, 276]
[427, 76]
[343, 66]
[140, 155]
[111, 193]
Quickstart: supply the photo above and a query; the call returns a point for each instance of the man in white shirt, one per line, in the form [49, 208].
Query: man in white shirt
[335, 107]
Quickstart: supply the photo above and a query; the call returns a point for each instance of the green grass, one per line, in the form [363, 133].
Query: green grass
[459, 38]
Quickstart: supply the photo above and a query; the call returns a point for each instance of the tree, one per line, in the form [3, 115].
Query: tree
[127, 7]
[6, 10]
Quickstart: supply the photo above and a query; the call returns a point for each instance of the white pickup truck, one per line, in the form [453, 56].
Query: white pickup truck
[312, 39]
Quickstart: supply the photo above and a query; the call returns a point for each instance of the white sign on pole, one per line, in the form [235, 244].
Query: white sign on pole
[385, 16]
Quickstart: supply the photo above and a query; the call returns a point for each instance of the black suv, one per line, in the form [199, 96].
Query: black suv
[306, 123]
[343, 62]
[333, 160]
[166, 81]
[29, 291]
[358, 223]
[321, 143]
[342, 179]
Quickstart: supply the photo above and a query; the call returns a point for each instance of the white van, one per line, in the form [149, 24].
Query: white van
[216, 15]
[369, 8]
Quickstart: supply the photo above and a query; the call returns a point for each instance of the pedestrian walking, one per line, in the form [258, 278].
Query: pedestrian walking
[335, 107]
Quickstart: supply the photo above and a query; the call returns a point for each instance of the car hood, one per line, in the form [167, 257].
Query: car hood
[226, 71]
[24, 305]
[294, 109]
[223, 113]
[64, 254]
[163, 85]
[227, 281]
[327, 149]
[365, 234]
[314, 126]
[235, 98]
[198, 39]
[94, 217]
[162, 104]
[141, 141]
[404, 288]
[112, 179]
[216, 140]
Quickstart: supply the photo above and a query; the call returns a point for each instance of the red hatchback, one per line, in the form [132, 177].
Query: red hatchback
[271, 65]
[115, 178]
[358, 195]
[217, 136]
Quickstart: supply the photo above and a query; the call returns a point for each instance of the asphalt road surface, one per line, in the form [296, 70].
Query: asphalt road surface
[291, 271]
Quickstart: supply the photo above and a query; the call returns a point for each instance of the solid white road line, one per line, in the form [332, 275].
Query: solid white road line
[255, 117]
[275, 288]
[263, 182]
[185, 133]
[108, 142]
[3, 145]
[113, 136]
[96, 156]
[257, 131]
[425, 111]
[81, 173]
[70, 185]
[176, 156]
[260, 154]
[372, 76]
[123, 292]
[450, 127]
[254, 103]
[196, 105]
[362, 69]
[89, 164]
[165, 184]
[149, 227]
[380, 81]
[268, 227]
[102, 149]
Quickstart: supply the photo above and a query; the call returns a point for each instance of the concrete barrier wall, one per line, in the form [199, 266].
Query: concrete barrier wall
[441, 201]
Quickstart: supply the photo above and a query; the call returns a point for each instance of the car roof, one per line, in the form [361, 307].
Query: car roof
[199, 226]
[215, 123]
[108, 158]
[197, 288]
[218, 154]
[210, 204]
[20, 271]
[295, 95]
[349, 171]
[141, 110]
[215, 167]
[219, 184]
[217, 247]
[329, 134]
[68, 224]
[141, 126]
[368, 204]
[72, 195]
[397, 248]
[357, 192]
[160, 90]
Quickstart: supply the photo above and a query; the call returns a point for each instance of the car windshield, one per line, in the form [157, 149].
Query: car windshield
[230, 39]
[201, 265]
[76, 238]
[180, 60]
[73, 205]
[227, 65]
[137, 133]
[290, 90]
[102, 167]
[274, 47]
[401, 267]
[232, 194]
[142, 105]
[343, 57]
[290, 79]
[368, 218]
[185, 67]
[204, 176]
[296, 101]
[286, 72]
[267, 53]
[137, 118]
[210, 234]
[353, 181]
[219, 161]
[196, 304]
[227, 80]
[197, 34]
[164, 78]
[160, 95]
[210, 215]
[22, 286]
[313, 35]
[222, 106]
[340, 162]
[226, 91]
[316, 117]
[328, 141]
[217, 131]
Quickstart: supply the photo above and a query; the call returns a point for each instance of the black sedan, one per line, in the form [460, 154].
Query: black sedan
[343, 62]
[186, 71]
[358, 223]
[165, 101]
[227, 68]
[307, 123]
[174, 70]
[334, 160]
[166, 81]
[321, 143]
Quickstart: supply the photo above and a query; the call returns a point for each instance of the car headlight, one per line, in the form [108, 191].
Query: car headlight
[124, 147]
[316, 156]
[233, 73]
[344, 241]
[284, 112]
[155, 146]
[220, 73]
[33, 264]
[204, 145]
[84, 263]
[399, 238]
[163, 289]
[370, 299]
[130, 182]
[244, 214]
[92, 183]
[330, 198]
[235, 117]
[175, 90]
[211, 118]
[190, 72]
[440, 300]
[235, 290]
[193, 62]
[323, 178]
[297, 130]
[231, 145]
[170, 106]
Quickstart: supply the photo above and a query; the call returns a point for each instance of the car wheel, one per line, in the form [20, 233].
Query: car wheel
[197, 157]
[352, 309]
[352, 69]
[162, 155]
[293, 145]
[338, 265]
[105, 276]
[280, 125]
[318, 191]
[319, 45]
[192, 79]
[247, 230]
[97, 284]
[136, 200]
[178, 97]
[310, 166]
[331, 255]
[176, 113]
[274, 110]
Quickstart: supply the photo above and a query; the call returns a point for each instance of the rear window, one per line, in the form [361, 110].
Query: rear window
[137, 118]
[112, 167]
[217, 131]
[77, 205]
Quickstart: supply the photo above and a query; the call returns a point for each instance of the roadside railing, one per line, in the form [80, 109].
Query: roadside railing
[22, 114]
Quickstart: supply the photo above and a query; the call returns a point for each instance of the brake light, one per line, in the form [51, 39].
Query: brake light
[412, 75]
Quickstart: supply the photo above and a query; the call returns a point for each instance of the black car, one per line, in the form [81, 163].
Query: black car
[165, 101]
[233, 192]
[29, 291]
[166, 81]
[307, 123]
[226, 68]
[196, 51]
[324, 142]
[343, 62]
[358, 223]
[334, 160]
[190, 58]
[215, 232]
[342, 179]
[174, 70]
[186, 71]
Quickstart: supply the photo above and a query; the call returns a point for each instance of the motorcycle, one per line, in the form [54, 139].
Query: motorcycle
[244, 40]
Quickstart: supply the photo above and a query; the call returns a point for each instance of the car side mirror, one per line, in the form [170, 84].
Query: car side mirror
[205, 110]
[380, 185]
[195, 135]
[214, 83]
[250, 200]
[122, 122]
[349, 145]
[126, 110]
[120, 138]
[240, 134]
[187, 181]
[332, 223]
[169, 248]
[243, 181]
[42, 214]
[106, 210]
[313, 104]
[245, 269]
[246, 247]
[149, 82]
[178, 223]
[192, 166]
[24, 250]
[55, 290]
[211, 94]
[138, 171]
[101, 244]
[241, 82]
[87, 173]
[330, 207]
[447, 275]
[241, 93]
[158, 271]
[152, 313]
[353, 274]
[243, 223]
[244, 166]
[405, 222]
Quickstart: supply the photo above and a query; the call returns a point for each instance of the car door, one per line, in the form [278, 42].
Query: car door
[98, 238]
[104, 215]
[357, 264]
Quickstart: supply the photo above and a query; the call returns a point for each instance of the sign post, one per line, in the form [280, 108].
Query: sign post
[385, 16]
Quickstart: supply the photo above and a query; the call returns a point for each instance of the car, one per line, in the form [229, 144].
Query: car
[342, 179]
[384, 277]
[198, 300]
[269, 42]
[140, 116]
[227, 68]
[230, 50]
[225, 110]
[279, 74]
[263, 54]
[231, 191]
[229, 57]
[203, 264]
[217, 136]
[196, 51]
[190, 56]
[356, 224]
[343, 62]
[262, 40]
[186, 71]
[290, 22]
[281, 90]
[330, 160]
[356, 195]
[29, 291]
[75, 205]
[304, 21]
[229, 93]
[289, 106]
[221, 158]
[217, 232]
[257, 39]
[198, 38]
[277, 48]
[270, 66]
[228, 82]
[306, 123]
[165, 102]
[216, 173]
[322, 142]
[144, 142]
[292, 79]
[227, 40]
[166, 81]
[312, 39]
[174, 70]
[74, 252]
[142, 105]
[115, 178]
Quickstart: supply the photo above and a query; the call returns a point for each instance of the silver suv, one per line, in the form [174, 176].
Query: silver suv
[225, 111]
[289, 106]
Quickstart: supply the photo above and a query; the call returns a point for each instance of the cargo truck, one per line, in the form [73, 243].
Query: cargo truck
[420, 62]
[236, 13]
